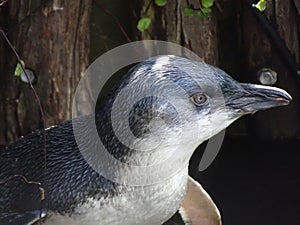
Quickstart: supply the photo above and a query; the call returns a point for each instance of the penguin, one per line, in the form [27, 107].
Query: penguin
[169, 105]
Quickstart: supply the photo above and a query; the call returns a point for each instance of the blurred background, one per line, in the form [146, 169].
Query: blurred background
[256, 176]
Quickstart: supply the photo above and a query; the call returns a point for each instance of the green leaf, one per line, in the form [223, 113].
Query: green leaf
[161, 2]
[19, 70]
[188, 11]
[207, 3]
[261, 5]
[143, 24]
[200, 14]
[206, 11]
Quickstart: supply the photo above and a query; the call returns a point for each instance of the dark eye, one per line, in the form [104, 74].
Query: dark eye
[199, 99]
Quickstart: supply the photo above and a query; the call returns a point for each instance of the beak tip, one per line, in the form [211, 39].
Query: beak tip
[266, 97]
[286, 98]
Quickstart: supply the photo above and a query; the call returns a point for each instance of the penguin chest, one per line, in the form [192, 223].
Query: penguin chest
[151, 205]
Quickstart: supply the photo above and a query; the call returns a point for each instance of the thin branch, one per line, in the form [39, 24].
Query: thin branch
[3, 2]
[31, 86]
[148, 7]
[105, 10]
[42, 190]
[42, 115]
[23, 178]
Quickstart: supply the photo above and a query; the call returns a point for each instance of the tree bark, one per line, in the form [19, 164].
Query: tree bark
[171, 24]
[260, 52]
[52, 37]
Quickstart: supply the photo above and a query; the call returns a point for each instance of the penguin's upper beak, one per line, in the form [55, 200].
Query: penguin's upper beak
[253, 97]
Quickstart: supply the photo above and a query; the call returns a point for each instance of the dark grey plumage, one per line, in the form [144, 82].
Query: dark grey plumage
[68, 179]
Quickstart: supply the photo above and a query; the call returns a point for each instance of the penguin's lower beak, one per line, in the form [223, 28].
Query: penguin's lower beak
[255, 97]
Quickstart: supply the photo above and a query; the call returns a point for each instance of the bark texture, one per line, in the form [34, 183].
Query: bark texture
[171, 24]
[52, 37]
[261, 52]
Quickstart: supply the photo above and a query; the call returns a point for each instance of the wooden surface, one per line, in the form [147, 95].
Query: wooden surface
[260, 52]
[54, 43]
[171, 24]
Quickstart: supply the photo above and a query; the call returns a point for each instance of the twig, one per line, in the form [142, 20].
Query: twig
[3, 2]
[23, 177]
[148, 7]
[42, 190]
[115, 19]
[42, 115]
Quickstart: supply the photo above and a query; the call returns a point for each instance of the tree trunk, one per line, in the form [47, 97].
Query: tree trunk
[262, 52]
[169, 23]
[52, 37]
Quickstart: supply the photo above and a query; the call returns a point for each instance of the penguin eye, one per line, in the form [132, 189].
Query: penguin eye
[199, 99]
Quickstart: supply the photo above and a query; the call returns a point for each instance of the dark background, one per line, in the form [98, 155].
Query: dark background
[253, 181]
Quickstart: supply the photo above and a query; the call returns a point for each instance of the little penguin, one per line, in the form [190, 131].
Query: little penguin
[174, 104]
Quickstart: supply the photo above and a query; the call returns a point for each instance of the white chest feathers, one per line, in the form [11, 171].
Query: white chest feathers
[150, 205]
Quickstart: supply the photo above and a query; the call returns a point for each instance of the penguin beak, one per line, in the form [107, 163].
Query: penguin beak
[253, 98]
